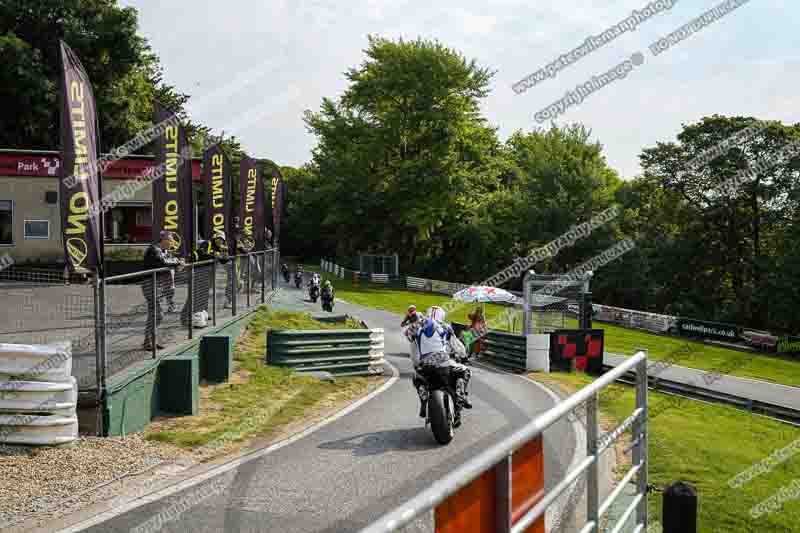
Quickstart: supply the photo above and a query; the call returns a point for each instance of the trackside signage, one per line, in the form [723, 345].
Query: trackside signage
[711, 330]
[83, 246]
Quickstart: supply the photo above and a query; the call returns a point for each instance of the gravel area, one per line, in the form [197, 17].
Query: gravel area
[35, 481]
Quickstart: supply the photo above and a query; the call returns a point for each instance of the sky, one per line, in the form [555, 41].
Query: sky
[253, 67]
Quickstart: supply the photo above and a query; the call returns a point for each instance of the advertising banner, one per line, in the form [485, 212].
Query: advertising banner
[173, 204]
[79, 185]
[711, 330]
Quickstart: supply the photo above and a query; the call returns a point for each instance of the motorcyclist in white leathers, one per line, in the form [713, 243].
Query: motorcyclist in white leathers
[433, 342]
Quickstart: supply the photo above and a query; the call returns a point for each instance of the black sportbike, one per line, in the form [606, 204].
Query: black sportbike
[440, 401]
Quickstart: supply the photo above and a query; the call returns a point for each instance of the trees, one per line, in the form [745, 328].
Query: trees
[125, 73]
[718, 252]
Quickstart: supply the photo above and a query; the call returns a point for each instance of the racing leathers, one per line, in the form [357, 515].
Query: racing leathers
[430, 349]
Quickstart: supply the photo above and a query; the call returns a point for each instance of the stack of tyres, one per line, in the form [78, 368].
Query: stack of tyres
[38, 395]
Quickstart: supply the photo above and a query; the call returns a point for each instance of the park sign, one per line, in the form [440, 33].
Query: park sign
[173, 204]
[79, 184]
[217, 181]
[712, 330]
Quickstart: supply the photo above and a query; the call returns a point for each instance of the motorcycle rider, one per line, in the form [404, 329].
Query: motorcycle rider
[285, 271]
[313, 282]
[432, 340]
[327, 292]
[411, 316]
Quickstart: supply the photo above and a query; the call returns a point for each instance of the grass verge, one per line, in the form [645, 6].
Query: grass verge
[707, 446]
[258, 400]
[776, 369]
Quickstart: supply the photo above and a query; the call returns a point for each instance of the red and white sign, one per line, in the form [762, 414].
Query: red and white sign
[44, 166]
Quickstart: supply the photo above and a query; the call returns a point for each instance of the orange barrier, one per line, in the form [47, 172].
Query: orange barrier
[482, 505]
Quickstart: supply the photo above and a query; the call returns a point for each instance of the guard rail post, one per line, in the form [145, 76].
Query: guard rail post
[190, 301]
[249, 279]
[640, 433]
[593, 472]
[155, 315]
[214, 293]
[526, 303]
[235, 288]
[263, 277]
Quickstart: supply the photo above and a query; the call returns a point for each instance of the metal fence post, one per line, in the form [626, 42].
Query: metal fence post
[249, 278]
[155, 315]
[503, 508]
[235, 288]
[640, 450]
[592, 473]
[99, 330]
[263, 277]
[214, 293]
[526, 303]
[191, 300]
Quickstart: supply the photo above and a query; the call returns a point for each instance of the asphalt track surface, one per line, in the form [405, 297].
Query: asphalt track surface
[348, 473]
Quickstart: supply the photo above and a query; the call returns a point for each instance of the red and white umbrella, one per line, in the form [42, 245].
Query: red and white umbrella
[484, 294]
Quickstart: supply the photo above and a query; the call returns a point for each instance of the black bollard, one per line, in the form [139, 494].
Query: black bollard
[679, 513]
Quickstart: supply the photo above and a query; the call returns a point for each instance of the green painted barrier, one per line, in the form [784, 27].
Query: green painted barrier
[343, 352]
[506, 350]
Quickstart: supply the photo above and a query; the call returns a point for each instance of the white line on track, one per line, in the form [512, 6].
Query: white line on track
[188, 483]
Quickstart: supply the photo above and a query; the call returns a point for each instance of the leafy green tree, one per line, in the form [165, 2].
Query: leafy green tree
[125, 74]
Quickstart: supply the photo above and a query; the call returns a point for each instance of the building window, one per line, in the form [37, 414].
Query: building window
[129, 223]
[6, 222]
[37, 229]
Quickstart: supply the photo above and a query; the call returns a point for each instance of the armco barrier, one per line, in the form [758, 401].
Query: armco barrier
[344, 352]
[38, 394]
[505, 350]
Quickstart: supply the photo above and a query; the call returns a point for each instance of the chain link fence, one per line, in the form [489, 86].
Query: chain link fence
[553, 301]
[121, 320]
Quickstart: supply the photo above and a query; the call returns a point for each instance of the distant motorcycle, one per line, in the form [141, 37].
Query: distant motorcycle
[313, 292]
[327, 302]
[298, 279]
[286, 276]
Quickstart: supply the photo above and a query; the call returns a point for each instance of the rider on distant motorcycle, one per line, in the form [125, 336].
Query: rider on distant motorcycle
[327, 292]
[285, 270]
[432, 340]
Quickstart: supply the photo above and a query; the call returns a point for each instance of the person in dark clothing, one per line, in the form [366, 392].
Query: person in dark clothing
[216, 248]
[157, 256]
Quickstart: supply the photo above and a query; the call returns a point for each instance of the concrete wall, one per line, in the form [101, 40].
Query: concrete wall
[143, 392]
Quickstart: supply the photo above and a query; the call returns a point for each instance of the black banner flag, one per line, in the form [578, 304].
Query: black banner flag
[173, 203]
[251, 207]
[79, 186]
[217, 181]
[278, 200]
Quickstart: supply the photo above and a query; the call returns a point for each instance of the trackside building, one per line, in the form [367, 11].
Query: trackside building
[30, 221]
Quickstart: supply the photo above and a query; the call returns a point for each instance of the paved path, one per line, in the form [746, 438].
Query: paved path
[350, 472]
[753, 389]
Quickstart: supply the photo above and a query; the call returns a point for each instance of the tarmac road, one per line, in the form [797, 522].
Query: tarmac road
[350, 472]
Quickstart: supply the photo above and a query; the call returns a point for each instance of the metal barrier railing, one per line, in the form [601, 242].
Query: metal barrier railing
[201, 286]
[498, 458]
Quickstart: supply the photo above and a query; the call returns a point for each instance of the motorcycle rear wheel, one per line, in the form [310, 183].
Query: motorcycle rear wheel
[440, 414]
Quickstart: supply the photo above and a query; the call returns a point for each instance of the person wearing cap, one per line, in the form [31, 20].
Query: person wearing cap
[157, 256]
[411, 316]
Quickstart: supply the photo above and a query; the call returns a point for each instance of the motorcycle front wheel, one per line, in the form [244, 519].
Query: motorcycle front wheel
[440, 414]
